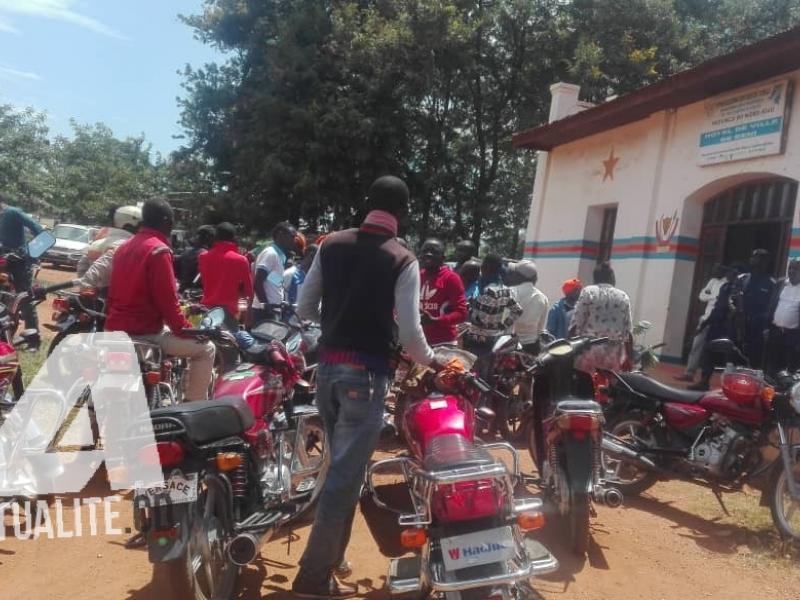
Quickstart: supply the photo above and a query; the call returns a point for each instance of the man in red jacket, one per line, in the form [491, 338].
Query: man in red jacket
[142, 297]
[224, 272]
[441, 301]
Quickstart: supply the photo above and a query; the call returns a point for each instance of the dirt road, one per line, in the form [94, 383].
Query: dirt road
[674, 542]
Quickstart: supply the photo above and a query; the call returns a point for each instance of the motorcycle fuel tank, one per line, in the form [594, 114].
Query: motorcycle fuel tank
[718, 402]
[437, 415]
[684, 416]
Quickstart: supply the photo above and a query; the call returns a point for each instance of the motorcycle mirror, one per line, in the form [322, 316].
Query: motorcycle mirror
[505, 343]
[41, 244]
[213, 319]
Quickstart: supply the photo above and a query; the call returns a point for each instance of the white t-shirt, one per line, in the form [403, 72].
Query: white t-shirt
[533, 319]
[787, 313]
[709, 295]
[271, 261]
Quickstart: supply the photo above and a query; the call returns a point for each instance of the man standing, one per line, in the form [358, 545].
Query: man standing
[294, 276]
[142, 297]
[603, 311]
[757, 289]
[470, 273]
[465, 251]
[442, 303]
[783, 341]
[225, 273]
[13, 223]
[362, 276]
[270, 266]
[186, 264]
[560, 315]
[522, 278]
[708, 295]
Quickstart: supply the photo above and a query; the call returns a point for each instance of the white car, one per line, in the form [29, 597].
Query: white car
[71, 244]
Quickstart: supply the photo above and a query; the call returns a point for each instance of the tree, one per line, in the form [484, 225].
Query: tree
[24, 156]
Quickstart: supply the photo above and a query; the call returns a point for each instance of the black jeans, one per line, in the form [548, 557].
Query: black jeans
[22, 272]
[783, 349]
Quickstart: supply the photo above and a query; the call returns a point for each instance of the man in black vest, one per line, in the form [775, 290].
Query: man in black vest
[362, 277]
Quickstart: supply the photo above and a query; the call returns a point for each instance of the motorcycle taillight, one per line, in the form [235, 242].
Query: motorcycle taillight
[600, 383]
[60, 305]
[163, 454]
[467, 500]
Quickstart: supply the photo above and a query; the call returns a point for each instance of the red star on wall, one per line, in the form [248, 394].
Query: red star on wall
[609, 164]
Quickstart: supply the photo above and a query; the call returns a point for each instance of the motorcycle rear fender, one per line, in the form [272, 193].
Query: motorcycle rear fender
[165, 517]
[577, 456]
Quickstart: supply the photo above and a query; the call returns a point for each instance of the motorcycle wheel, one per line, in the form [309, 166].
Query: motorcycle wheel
[508, 420]
[785, 509]
[578, 519]
[629, 479]
[203, 572]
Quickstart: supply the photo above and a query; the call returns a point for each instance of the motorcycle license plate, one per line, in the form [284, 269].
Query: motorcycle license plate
[479, 548]
[178, 489]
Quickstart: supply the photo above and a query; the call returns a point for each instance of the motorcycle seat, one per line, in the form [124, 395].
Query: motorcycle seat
[454, 451]
[209, 420]
[647, 386]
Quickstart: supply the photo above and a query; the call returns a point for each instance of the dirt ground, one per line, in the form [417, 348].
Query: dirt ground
[673, 542]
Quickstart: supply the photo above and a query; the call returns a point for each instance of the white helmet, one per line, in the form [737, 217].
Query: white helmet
[127, 217]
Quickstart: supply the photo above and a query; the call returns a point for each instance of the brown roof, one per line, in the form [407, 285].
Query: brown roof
[767, 58]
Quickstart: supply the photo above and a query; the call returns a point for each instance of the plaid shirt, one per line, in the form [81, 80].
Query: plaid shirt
[493, 311]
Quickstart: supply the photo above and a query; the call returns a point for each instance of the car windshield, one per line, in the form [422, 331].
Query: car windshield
[73, 234]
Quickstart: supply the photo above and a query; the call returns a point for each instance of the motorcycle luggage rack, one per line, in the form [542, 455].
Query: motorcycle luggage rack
[422, 483]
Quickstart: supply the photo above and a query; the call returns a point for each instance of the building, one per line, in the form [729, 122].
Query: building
[699, 168]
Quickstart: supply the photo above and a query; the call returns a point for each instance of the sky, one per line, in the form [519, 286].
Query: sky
[114, 61]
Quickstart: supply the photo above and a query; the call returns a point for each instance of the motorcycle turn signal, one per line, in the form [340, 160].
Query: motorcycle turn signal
[530, 520]
[413, 538]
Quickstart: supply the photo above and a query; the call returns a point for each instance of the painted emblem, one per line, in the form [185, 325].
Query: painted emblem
[666, 228]
[609, 165]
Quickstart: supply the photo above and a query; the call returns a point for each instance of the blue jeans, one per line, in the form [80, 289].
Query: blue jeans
[350, 401]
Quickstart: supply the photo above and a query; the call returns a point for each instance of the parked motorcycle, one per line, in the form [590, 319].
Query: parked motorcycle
[75, 312]
[467, 527]
[746, 432]
[565, 440]
[236, 468]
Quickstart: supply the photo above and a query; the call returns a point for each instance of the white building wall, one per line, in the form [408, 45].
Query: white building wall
[656, 176]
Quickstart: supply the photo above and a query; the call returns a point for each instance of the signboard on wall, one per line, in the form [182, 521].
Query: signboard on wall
[743, 125]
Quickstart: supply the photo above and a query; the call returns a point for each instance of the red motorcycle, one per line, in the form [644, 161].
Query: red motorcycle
[467, 528]
[746, 432]
[236, 469]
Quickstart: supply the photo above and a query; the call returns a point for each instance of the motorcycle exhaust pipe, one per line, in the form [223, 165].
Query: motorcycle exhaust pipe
[622, 452]
[612, 498]
[244, 549]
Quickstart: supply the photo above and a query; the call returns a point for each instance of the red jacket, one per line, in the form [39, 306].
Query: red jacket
[442, 298]
[142, 295]
[226, 276]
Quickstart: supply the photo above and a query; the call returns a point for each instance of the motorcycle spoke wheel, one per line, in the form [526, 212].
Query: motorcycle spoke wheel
[214, 576]
[785, 509]
[633, 432]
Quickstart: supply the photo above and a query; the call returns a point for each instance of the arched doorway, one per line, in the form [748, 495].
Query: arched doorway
[756, 214]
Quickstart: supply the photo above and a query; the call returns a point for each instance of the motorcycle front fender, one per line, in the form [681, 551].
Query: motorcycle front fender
[66, 324]
[577, 457]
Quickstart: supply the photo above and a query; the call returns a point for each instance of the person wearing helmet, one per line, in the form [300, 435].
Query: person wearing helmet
[124, 223]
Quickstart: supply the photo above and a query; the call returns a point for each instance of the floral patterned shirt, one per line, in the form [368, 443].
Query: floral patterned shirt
[603, 311]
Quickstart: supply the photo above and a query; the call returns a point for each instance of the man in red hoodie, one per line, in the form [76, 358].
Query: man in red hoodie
[224, 272]
[143, 297]
[441, 301]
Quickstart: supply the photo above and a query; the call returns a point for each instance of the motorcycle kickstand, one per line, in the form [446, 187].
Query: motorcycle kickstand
[718, 496]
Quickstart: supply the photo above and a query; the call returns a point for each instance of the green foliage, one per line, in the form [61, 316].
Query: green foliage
[78, 178]
[316, 99]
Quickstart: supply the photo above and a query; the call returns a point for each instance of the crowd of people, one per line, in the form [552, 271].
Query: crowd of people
[368, 291]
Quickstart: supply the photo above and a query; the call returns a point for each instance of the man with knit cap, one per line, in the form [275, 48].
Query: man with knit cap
[361, 277]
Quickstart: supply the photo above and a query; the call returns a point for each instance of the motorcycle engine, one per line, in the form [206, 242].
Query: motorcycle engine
[722, 452]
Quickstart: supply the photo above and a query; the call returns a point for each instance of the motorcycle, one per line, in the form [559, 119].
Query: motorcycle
[75, 312]
[467, 527]
[565, 440]
[236, 469]
[746, 432]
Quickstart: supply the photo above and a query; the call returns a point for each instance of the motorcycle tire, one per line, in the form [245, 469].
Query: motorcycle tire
[510, 428]
[578, 521]
[778, 494]
[616, 426]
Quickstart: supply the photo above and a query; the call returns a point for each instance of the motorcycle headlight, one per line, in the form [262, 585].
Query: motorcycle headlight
[794, 397]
